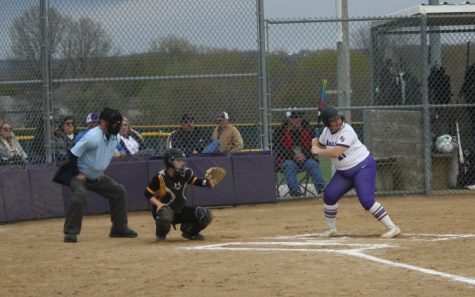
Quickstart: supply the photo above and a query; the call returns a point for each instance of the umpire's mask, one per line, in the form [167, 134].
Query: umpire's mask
[113, 119]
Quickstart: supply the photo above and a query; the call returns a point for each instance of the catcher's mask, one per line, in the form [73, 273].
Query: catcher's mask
[172, 155]
[113, 119]
[331, 113]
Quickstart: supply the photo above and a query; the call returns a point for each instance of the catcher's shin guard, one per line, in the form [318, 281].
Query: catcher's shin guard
[204, 217]
[164, 220]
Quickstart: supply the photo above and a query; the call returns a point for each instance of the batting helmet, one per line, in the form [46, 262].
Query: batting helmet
[330, 113]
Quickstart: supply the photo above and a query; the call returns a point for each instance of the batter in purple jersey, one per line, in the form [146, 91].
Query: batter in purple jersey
[355, 168]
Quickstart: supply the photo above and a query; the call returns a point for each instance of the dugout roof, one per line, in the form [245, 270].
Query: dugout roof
[437, 15]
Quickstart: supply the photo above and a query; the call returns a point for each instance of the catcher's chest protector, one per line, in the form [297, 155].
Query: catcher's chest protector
[175, 189]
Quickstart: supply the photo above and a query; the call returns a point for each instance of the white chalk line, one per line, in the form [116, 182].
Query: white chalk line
[438, 237]
[412, 236]
[356, 250]
[449, 276]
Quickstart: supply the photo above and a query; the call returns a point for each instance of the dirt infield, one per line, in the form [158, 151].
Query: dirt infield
[255, 250]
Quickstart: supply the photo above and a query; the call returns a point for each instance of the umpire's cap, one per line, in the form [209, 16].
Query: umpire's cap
[330, 113]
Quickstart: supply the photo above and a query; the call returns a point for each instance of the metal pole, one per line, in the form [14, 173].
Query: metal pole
[339, 48]
[434, 41]
[343, 63]
[45, 56]
[346, 61]
[426, 107]
[263, 75]
[372, 62]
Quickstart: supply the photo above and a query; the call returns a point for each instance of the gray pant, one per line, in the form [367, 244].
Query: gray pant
[107, 188]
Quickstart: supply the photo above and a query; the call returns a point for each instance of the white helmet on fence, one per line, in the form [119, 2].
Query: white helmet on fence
[444, 144]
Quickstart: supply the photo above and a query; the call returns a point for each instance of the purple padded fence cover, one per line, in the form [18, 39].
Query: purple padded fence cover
[16, 192]
[28, 194]
[154, 166]
[223, 194]
[2, 207]
[133, 175]
[254, 178]
[46, 196]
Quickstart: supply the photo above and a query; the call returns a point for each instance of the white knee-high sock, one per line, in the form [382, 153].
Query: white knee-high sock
[378, 211]
[330, 214]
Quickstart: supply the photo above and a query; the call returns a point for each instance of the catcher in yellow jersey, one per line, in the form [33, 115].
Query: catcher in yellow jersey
[166, 192]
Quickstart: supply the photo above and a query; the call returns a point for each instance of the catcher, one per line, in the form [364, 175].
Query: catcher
[166, 192]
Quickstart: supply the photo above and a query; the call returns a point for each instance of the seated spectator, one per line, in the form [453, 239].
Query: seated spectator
[11, 151]
[131, 141]
[92, 121]
[188, 138]
[64, 138]
[292, 143]
[226, 135]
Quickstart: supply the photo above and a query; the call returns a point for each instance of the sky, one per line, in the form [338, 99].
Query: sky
[134, 23]
[326, 8]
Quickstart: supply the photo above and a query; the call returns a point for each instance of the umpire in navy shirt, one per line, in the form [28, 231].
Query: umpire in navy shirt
[87, 161]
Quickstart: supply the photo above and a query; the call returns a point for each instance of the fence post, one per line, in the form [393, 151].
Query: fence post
[264, 114]
[45, 56]
[343, 59]
[426, 106]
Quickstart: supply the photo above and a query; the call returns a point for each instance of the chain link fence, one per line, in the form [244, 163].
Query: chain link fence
[152, 60]
[403, 82]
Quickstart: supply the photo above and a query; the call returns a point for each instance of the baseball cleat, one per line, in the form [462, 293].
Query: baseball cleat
[328, 232]
[196, 236]
[70, 238]
[391, 232]
[160, 238]
[125, 233]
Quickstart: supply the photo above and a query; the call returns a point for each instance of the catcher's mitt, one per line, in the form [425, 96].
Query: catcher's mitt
[214, 176]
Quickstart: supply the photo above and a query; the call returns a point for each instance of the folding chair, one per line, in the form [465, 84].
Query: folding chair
[304, 181]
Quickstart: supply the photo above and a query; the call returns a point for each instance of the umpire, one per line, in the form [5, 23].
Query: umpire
[85, 171]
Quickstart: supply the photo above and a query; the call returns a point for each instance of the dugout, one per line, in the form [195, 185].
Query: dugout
[397, 49]
[419, 57]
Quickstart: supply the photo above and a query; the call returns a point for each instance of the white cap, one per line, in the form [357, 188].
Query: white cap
[92, 117]
[223, 115]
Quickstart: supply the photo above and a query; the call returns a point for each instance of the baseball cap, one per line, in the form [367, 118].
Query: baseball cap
[223, 115]
[293, 114]
[92, 117]
[186, 118]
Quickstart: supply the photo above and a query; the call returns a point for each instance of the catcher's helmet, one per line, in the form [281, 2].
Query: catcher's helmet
[330, 113]
[173, 154]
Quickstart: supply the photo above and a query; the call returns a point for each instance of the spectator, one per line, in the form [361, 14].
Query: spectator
[131, 141]
[228, 136]
[188, 138]
[92, 121]
[64, 139]
[10, 149]
[292, 143]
